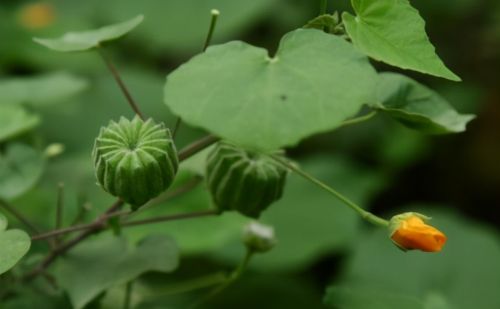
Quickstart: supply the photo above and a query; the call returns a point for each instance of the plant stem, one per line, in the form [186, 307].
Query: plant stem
[100, 223]
[213, 22]
[120, 83]
[80, 227]
[359, 119]
[19, 216]
[189, 215]
[197, 146]
[368, 216]
[128, 295]
[232, 277]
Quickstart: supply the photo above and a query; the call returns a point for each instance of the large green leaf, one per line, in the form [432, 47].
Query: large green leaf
[392, 31]
[310, 223]
[15, 120]
[240, 93]
[417, 106]
[20, 168]
[448, 279]
[41, 90]
[14, 245]
[84, 40]
[99, 264]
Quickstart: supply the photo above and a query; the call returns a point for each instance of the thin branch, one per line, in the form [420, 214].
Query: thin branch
[189, 215]
[120, 83]
[188, 186]
[100, 224]
[197, 146]
[19, 216]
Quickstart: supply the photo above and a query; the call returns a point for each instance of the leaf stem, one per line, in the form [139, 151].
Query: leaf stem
[366, 215]
[213, 22]
[120, 83]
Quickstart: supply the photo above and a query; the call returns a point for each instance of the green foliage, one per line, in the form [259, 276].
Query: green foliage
[392, 31]
[110, 261]
[273, 101]
[84, 40]
[41, 90]
[14, 243]
[20, 168]
[15, 120]
[417, 106]
[470, 255]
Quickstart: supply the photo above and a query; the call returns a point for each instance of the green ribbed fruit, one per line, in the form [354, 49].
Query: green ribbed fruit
[135, 160]
[244, 181]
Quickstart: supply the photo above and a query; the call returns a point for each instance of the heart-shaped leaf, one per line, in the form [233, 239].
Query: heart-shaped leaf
[20, 168]
[15, 120]
[14, 245]
[84, 40]
[109, 261]
[417, 106]
[238, 92]
[41, 90]
[392, 31]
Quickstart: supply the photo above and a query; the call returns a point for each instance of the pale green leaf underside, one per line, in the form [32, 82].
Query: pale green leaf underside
[84, 40]
[110, 261]
[239, 93]
[41, 90]
[14, 245]
[15, 120]
[20, 168]
[417, 106]
[392, 31]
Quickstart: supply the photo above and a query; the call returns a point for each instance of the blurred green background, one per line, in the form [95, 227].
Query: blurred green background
[379, 164]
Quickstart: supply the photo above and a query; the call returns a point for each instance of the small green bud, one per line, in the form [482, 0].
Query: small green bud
[135, 160]
[242, 180]
[53, 150]
[259, 237]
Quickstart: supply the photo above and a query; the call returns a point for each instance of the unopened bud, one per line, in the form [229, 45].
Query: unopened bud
[259, 237]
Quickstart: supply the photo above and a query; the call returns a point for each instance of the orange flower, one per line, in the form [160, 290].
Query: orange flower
[37, 15]
[409, 231]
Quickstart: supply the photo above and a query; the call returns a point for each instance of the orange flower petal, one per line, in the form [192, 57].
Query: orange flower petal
[413, 233]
